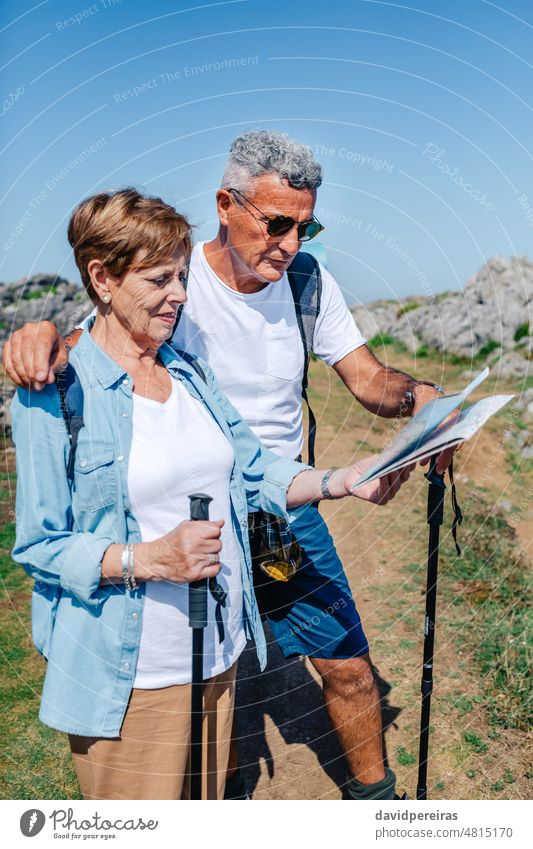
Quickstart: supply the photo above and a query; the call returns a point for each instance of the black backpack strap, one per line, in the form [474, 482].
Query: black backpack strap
[179, 312]
[305, 281]
[71, 402]
[192, 361]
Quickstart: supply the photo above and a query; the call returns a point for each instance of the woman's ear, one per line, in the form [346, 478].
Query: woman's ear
[99, 279]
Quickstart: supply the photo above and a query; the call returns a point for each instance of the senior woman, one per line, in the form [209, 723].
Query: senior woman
[112, 552]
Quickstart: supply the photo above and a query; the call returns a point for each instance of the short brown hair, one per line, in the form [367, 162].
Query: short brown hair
[114, 227]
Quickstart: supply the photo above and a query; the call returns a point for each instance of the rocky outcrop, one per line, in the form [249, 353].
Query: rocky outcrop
[494, 310]
[522, 437]
[43, 296]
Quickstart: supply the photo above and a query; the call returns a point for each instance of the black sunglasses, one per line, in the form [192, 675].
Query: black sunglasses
[280, 225]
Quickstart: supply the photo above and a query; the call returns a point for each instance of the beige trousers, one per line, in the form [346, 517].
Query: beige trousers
[150, 758]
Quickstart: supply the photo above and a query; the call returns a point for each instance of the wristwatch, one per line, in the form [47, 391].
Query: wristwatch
[409, 398]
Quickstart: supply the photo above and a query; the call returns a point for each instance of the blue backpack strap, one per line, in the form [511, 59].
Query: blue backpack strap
[71, 401]
[305, 281]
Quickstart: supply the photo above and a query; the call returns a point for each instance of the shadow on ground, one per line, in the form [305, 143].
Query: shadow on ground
[288, 696]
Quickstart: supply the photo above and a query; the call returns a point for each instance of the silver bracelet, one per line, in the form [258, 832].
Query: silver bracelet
[124, 563]
[128, 567]
[131, 568]
[324, 488]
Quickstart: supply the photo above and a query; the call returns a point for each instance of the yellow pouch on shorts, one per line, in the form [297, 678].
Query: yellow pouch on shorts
[277, 553]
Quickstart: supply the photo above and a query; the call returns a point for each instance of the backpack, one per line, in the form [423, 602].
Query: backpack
[305, 281]
[71, 401]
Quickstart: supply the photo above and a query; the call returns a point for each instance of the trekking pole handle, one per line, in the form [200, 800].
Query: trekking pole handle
[437, 488]
[198, 589]
[432, 475]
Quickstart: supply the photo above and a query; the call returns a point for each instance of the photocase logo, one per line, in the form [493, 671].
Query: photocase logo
[32, 822]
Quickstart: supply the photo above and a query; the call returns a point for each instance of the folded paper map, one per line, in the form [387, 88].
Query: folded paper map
[428, 433]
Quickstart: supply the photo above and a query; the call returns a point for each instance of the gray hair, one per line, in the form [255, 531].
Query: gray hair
[259, 152]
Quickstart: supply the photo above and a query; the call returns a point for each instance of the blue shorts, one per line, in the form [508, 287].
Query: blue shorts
[314, 613]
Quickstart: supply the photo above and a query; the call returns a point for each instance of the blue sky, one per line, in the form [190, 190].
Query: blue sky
[420, 114]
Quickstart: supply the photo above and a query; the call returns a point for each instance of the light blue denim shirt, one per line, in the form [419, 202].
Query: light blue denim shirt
[89, 633]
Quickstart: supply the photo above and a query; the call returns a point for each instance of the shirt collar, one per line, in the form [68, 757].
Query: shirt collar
[108, 372]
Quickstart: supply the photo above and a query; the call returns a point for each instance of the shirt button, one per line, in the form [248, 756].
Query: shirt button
[120, 458]
[125, 381]
[135, 616]
[125, 415]
[126, 667]
[83, 463]
[244, 525]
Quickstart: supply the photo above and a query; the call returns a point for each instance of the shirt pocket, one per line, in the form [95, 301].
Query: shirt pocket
[94, 475]
[285, 355]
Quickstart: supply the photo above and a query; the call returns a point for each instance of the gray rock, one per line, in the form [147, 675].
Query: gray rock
[525, 398]
[511, 366]
[493, 306]
[7, 390]
[43, 296]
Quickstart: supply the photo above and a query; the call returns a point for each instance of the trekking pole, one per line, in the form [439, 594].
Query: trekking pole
[197, 621]
[435, 514]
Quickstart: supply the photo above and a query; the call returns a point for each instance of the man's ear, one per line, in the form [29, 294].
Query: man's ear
[224, 201]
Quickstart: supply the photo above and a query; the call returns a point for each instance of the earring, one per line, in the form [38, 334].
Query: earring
[106, 299]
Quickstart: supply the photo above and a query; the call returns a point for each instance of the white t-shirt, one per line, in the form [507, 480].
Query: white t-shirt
[253, 345]
[178, 449]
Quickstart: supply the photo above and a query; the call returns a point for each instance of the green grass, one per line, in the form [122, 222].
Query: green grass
[407, 307]
[38, 293]
[489, 346]
[464, 705]
[404, 757]
[475, 741]
[500, 609]
[458, 360]
[36, 762]
[381, 339]
[521, 332]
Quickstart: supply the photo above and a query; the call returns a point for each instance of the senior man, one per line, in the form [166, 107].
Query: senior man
[241, 317]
